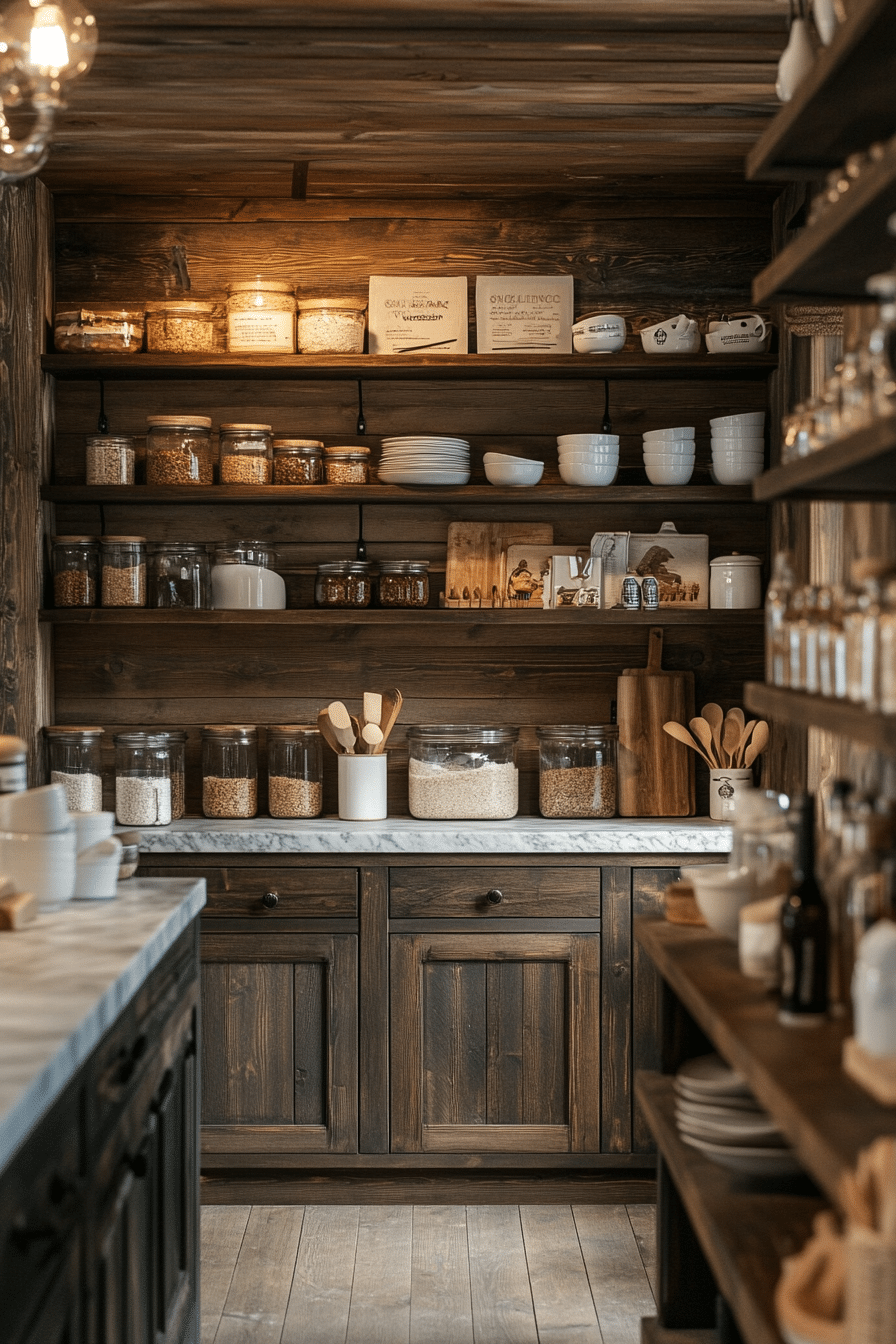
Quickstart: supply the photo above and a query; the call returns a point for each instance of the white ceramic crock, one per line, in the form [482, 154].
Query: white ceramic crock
[734, 581]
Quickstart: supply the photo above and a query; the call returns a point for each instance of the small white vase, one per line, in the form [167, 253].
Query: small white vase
[825, 16]
[796, 61]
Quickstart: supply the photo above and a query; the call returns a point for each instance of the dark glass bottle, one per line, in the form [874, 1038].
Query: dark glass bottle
[804, 932]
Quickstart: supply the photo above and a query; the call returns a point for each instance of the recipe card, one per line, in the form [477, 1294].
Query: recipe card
[418, 314]
[524, 313]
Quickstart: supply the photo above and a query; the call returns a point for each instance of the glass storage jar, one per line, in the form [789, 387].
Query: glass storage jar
[229, 770]
[244, 579]
[179, 450]
[180, 326]
[104, 329]
[462, 770]
[347, 466]
[76, 568]
[331, 326]
[110, 460]
[404, 583]
[261, 316]
[75, 764]
[246, 454]
[295, 770]
[298, 462]
[178, 574]
[142, 779]
[577, 770]
[123, 565]
[176, 741]
[344, 583]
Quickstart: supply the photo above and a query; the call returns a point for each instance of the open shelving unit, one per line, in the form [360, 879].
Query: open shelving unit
[858, 466]
[377, 616]
[815, 711]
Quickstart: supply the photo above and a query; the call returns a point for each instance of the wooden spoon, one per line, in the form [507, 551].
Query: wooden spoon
[392, 702]
[373, 708]
[738, 756]
[703, 733]
[341, 723]
[715, 716]
[681, 734]
[731, 731]
[372, 735]
[758, 742]
[325, 728]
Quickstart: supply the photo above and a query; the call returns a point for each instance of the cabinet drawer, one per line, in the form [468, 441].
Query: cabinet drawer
[495, 892]
[300, 892]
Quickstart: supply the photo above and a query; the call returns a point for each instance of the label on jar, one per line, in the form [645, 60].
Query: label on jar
[14, 777]
[259, 330]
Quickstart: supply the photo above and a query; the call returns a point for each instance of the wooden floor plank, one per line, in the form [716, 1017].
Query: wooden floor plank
[499, 1279]
[619, 1283]
[221, 1235]
[643, 1220]
[441, 1305]
[325, 1267]
[561, 1294]
[380, 1310]
[259, 1291]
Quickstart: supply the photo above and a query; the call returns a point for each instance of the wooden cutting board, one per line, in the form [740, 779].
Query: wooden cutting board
[656, 773]
[476, 558]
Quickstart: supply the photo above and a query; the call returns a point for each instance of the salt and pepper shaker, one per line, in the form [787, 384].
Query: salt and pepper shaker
[650, 593]
[631, 593]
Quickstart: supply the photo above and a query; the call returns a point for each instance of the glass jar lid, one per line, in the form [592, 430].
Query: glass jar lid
[346, 567]
[286, 447]
[244, 553]
[181, 307]
[462, 732]
[63, 731]
[172, 734]
[351, 304]
[403, 566]
[260, 282]
[108, 440]
[578, 732]
[140, 739]
[347, 454]
[179, 421]
[122, 541]
[190, 547]
[292, 730]
[231, 428]
[74, 541]
[245, 732]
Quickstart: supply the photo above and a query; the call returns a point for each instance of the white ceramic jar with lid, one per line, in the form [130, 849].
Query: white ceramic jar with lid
[734, 581]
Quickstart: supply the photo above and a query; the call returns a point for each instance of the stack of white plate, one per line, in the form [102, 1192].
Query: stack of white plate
[425, 460]
[717, 1114]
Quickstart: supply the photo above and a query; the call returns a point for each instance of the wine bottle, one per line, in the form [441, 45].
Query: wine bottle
[804, 932]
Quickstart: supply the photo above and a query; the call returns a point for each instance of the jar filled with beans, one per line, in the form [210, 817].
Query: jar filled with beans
[179, 450]
[347, 466]
[110, 460]
[404, 583]
[298, 462]
[76, 569]
[577, 770]
[230, 770]
[344, 583]
[295, 770]
[123, 571]
[246, 454]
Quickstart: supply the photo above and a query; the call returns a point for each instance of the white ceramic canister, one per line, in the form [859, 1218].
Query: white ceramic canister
[362, 787]
[724, 788]
[734, 581]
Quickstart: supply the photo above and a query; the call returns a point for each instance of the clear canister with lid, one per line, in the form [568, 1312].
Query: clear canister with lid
[75, 764]
[142, 779]
[244, 578]
[181, 326]
[123, 568]
[344, 583]
[110, 459]
[577, 770]
[230, 770]
[347, 466]
[179, 450]
[176, 741]
[246, 454]
[76, 571]
[298, 462]
[462, 770]
[261, 316]
[404, 583]
[178, 574]
[295, 770]
[331, 326]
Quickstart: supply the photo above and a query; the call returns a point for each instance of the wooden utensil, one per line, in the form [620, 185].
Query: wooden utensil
[681, 734]
[655, 774]
[731, 731]
[356, 729]
[758, 742]
[373, 708]
[703, 733]
[742, 744]
[392, 702]
[341, 723]
[327, 732]
[715, 716]
[372, 735]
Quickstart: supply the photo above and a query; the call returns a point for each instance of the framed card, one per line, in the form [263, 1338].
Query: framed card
[523, 312]
[418, 315]
[678, 561]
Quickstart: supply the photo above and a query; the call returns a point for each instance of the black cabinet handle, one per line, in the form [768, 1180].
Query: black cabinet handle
[130, 1060]
[494, 897]
[269, 900]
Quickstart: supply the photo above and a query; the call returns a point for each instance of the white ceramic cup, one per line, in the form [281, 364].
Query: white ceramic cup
[602, 332]
[362, 787]
[724, 788]
[96, 871]
[42, 863]
[43, 810]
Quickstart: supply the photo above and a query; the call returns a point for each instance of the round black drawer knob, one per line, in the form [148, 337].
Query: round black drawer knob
[494, 897]
[269, 900]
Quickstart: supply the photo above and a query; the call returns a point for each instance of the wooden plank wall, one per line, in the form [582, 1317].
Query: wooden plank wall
[649, 260]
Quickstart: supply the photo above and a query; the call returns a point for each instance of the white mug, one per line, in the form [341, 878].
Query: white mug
[742, 334]
[676, 336]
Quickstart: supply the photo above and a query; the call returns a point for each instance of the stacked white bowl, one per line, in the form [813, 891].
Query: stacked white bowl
[669, 455]
[588, 459]
[738, 447]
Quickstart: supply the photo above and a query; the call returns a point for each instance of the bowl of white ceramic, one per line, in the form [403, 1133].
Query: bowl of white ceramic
[91, 828]
[600, 459]
[673, 447]
[42, 810]
[747, 443]
[587, 441]
[41, 862]
[96, 876]
[665, 435]
[741, 474]
[677, 471]
[588, 473]
[721, 893]
[740, 421]
[502, 459]
[599, 333]
[514, 473]
[734, 458]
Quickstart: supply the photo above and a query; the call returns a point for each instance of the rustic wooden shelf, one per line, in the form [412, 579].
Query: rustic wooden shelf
[843, 104]
[814, 711]
[403, 616]
[743, 1226]
[859, 466]
[627, 364]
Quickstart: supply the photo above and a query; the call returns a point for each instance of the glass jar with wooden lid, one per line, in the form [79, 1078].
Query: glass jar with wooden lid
[181, 326]
[298, 462]
[109, 460]
[347, 466]
[295, 770]
[76, 567]
[123, 571]
[246, 454]
[261, 316]
[331, 326]
[179, 450]
[75, 763]
[230, 770]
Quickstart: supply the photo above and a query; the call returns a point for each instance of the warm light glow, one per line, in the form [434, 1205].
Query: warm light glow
[48, 47]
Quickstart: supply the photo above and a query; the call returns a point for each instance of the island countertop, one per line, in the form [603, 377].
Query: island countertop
[65, 978]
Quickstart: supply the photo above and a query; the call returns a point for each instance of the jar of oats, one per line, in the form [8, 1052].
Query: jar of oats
[261, 317]
[460, 770]
[344, 583]
[298, 462]
[347, 466]
[176, 741]
[331, 326]
[142, 779]
[295, 770]
[123, 571]
[75, 764]
[180, 326]
[230, 770]
[110, 460]
[179, 450]
[76, 570]
[577, 770]
[247, 453]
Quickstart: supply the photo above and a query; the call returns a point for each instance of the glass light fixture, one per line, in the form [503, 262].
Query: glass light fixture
[43, 44]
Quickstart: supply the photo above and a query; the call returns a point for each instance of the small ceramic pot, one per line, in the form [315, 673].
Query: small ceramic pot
[734, 581]
[362, 787]
[724, 788]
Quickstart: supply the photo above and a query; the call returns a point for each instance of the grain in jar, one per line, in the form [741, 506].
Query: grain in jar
[331, 326]
[261, 317]
[462, 771]
[404, 583]
[109, 460]
[344, 583]
[577, 770]
[76, 568]
[295, 771]
[105, 329]
[123, 570]
[179, 450]
[181, 326]
[75, 764]
[230, 770]
[298, 462]
[347, 466]
[176, 742]
[142, 779]
[246, 454]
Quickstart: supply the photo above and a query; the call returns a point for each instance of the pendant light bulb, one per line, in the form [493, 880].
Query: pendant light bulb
[49, 41]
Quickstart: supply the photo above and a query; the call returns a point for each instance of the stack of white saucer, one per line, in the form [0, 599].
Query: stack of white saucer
[717, 1114]
[424, 459]
[669, 455]
[738, 447]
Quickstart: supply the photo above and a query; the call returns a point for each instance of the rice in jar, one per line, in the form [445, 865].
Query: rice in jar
[331, 326]
[460, 770]
[261, 317]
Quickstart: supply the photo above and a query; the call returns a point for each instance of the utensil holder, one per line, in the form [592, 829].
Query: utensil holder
[724, 787]
[362, 787]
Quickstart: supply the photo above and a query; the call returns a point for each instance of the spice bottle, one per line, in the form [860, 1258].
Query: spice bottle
[404, 583]
[261, 317]
[178, 574]
[123, 563]
[109, 460]
[804, 932]
[298, 462]
[13, 764]
[577, 770]
[229, 770]
[246, 454]
[295, 771]
[179, 450]
[76, 567]
[75, 764]
[142, 779]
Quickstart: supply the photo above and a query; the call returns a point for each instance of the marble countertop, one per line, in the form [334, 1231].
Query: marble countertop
[405, 835]
[66, 977]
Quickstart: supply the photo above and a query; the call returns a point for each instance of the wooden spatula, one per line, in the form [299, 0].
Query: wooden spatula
[373, 708]
[327, 732]
[341, 723]
[392, 702]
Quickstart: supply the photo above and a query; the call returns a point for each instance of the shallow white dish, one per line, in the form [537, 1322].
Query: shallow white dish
[416, 440]
[736, 1109]
[747, 1161]
[424, 477]
[732, 1136]
[709, 1074]
[514, 473]
[585, 473]
[679, 432]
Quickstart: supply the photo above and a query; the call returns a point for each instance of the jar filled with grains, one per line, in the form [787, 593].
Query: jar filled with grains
[347, 466]
[116, 330]
[246, 454]
[142, 779]
[577, 770]
[295, 770]
[110, 460]
[229, 770]
[180, 326]
[76, 569]
[404, 583]
[261, 317]
[178, 575]
[123, 568]
[461, 770]
[331, 326]
[75, 764]
[298, 462]
[344, 583]
[176, 741]
[179, 450]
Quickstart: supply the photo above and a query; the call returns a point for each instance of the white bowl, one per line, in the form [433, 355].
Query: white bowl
[678, 472]
[682, 432]
[600, 459]
[748, 441]
[600, 332]
[739, 475]
[501, 459]
[674, 447]
[42, 810]
[588, 473]
[42, 863]
[739, 421]
[514, 473]
[91, 828]
[587, 440]
[96, 876]
[721, 893]
[729, 458]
